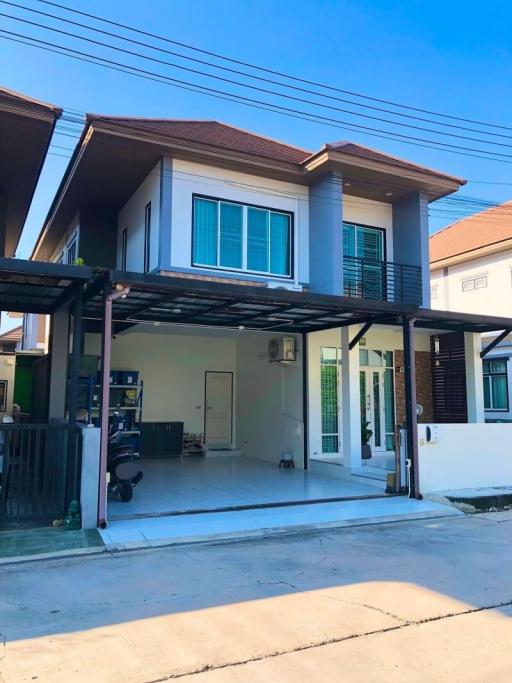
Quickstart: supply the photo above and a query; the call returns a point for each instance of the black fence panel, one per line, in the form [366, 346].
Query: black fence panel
[40, 467]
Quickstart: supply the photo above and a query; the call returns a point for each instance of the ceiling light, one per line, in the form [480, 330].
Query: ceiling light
[388, 194]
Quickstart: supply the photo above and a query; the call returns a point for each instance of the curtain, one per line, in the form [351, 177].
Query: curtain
[205, 232]
[257, 240]
[231, 235]
[279, 244]
[499, 392]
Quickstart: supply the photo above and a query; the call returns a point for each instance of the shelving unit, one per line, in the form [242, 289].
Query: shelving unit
[92, 402]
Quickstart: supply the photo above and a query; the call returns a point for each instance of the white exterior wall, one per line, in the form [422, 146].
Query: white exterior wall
[377, 338]
[465, 456]
[190, 178]
[7, 370]
[270, 414]
[132, 217]
[495, 299]
[371, 213]
[172, 367]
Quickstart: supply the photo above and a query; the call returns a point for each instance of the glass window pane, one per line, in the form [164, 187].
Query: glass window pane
[328, 355]
[388, 358]
[376, 409]
[257, 239]
[370, 243]
[205, 232]
[363, 357]
[487, 393]
[279, 244]
[499, 392]
[329, 403]
[375, 358]
[231, 235]
[389, 407]
[349, 240]
[330, 444]
[498, 366]
[486, 366]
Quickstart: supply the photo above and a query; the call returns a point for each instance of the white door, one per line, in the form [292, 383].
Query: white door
[218, 417]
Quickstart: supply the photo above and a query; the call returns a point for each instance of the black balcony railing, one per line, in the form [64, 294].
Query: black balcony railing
[381, 280]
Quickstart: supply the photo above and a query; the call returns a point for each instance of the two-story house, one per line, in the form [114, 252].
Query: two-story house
[471, 271]
[266, 301]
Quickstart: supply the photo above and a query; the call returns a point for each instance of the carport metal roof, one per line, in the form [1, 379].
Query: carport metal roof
[183, 301]
[37, 287]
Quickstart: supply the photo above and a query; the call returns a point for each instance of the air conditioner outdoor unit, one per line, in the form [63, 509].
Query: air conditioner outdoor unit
[282, 350]
[288, 286]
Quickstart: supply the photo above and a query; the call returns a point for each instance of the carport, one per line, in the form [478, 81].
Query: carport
[118, 301]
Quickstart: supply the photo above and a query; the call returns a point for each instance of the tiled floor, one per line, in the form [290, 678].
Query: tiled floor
[261, 522]
[172, 485]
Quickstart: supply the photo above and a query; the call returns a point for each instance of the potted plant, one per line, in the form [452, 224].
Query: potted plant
[366, 435]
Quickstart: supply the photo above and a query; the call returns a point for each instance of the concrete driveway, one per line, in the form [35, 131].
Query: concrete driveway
[416, 601]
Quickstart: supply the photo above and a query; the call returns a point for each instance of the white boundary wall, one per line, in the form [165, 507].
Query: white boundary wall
[465, 456]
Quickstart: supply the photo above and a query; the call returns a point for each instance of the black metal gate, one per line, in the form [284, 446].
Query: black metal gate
[40, 466]
[449, 378]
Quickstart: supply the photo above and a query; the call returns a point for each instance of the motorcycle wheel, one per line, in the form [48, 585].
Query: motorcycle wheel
[125, 492]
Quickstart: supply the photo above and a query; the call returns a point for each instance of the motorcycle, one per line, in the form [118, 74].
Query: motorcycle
[122, 466]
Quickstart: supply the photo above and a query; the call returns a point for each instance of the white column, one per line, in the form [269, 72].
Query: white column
[90, 477]
[474, 377]
[350, 399]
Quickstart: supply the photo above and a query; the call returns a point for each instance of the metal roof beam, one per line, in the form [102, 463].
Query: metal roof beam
[494, 343]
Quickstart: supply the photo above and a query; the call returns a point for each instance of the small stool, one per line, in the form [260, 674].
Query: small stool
[287, 461]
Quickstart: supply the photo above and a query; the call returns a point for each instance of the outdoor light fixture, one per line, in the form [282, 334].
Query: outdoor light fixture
[176, 310]
[389, 194]
[241, 328]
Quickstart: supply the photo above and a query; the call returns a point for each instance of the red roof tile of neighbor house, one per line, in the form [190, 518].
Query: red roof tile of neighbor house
[211, 133]
[483, 229]
[13, 335]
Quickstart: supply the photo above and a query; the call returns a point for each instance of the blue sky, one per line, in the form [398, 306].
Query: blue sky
[448, 57]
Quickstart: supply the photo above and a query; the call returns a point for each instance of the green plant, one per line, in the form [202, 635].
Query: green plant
[366, 434]
[79, 262]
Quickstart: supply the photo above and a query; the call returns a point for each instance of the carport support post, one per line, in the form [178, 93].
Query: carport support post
[410, 406]
[74, 370]
[350, 399]
[106, 346]
[474, 377]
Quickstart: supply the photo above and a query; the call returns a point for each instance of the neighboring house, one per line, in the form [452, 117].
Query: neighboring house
[212, 247]
[11, 341]
[471, 271]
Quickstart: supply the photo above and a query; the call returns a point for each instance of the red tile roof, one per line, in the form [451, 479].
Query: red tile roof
[211, 133]
[483, 229]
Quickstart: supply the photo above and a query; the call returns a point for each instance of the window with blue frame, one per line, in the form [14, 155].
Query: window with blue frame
[495, 385]
[233, 236]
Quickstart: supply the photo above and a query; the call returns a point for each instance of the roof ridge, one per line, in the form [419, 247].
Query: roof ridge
[142, 119]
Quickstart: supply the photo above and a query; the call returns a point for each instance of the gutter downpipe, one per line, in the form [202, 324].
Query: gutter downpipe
[410, 406]
[106, 348]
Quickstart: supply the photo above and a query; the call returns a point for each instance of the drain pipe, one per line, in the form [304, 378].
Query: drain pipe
[106, 346]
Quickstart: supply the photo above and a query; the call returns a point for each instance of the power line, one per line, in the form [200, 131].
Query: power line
[271, 71]
[258, 104]
[248, 75]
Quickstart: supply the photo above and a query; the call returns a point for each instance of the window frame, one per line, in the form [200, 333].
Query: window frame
[472, 281]
[124, 248]
[147, 237]
[490, 374]
[71, 243]
[245, 206]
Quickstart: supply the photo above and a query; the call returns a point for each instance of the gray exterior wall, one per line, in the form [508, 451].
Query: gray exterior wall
[326, 235]
[410, 237]
[164, 242]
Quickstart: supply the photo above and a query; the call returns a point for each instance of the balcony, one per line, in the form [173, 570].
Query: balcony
[365, 278]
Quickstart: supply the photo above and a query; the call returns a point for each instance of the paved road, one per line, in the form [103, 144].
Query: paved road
[415, 601]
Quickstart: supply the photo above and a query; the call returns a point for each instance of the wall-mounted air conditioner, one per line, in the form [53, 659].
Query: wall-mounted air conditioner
[291, 287]
[282, 350]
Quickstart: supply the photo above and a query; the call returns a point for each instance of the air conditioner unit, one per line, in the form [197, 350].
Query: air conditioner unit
[282, 350]
[288, 286]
